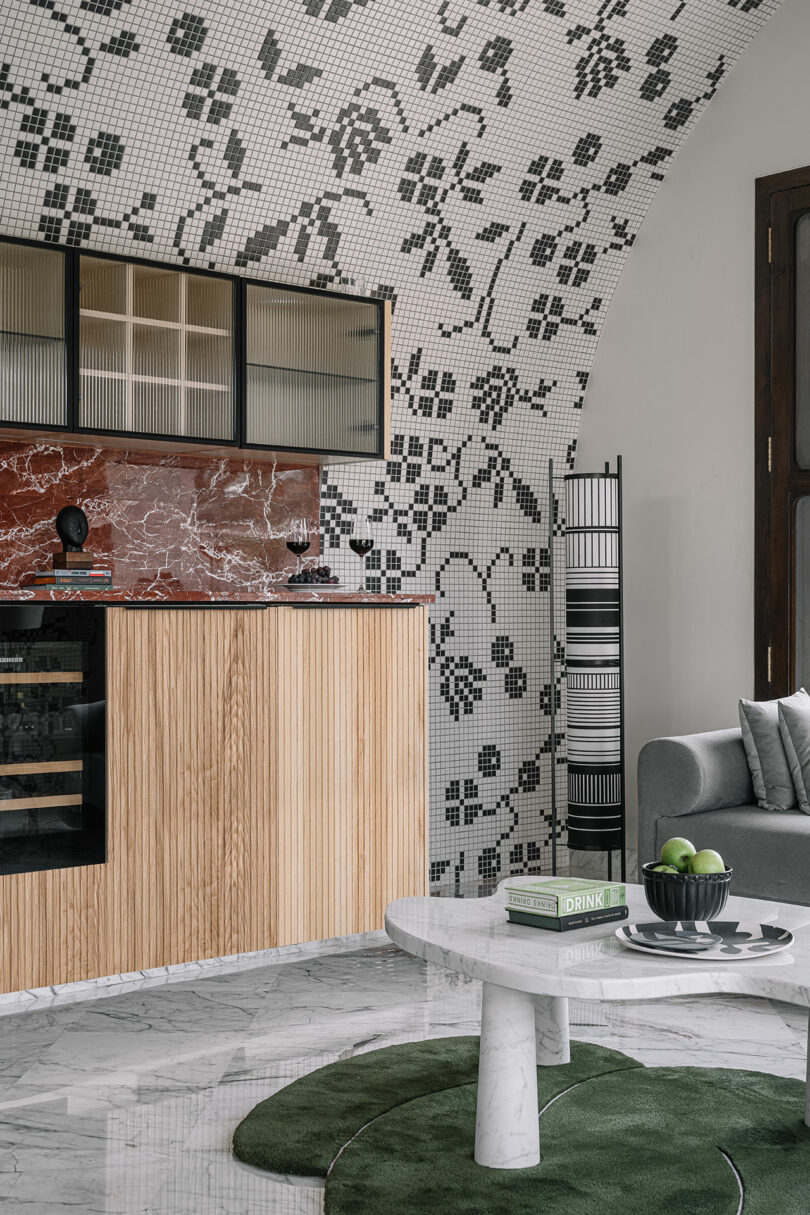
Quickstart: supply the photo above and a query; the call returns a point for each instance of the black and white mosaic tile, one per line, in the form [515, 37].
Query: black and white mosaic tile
[486, 165]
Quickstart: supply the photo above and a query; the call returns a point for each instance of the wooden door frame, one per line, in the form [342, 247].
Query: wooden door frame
[777, 479]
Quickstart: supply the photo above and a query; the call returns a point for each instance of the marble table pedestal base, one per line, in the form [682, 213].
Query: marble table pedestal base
[551, 1030]
[518, 1031]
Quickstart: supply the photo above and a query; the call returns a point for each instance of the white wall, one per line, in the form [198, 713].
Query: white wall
[672, 390]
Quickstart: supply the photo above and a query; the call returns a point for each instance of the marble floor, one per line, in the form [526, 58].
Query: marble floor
[125, 1104]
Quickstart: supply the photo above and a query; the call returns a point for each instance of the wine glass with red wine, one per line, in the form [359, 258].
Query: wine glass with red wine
[361, 542]
[298, 539]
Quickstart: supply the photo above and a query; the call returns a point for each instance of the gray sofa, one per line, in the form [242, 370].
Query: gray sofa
[699, 786]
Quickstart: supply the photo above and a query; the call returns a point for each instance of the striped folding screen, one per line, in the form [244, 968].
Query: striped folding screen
[593, 661]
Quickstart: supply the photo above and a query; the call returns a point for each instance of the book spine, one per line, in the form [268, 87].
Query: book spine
[72, 575]
[66, 582]
[67, 578]
[568, 922]
[548, 904]
[594, 917]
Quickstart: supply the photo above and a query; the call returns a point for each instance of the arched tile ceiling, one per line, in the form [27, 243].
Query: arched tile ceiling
[486, 164]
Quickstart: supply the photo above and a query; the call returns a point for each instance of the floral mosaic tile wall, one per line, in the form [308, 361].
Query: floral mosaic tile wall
[486, 165]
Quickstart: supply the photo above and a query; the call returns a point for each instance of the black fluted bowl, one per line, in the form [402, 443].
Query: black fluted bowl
[686, 896]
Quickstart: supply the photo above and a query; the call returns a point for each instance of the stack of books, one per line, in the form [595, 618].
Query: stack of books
[563, 903]
[71, 570]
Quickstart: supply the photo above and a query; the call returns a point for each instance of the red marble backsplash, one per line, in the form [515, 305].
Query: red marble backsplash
[167, 523]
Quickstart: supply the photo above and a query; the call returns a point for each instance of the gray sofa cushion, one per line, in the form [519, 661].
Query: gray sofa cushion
[770, 771]
[794, 726]
[693, 772]
[770, 853]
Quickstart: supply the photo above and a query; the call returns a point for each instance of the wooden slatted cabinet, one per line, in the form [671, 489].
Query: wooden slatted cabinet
[266, 785]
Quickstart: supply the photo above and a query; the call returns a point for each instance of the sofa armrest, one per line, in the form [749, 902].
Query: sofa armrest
[679, 776]
[694, 772]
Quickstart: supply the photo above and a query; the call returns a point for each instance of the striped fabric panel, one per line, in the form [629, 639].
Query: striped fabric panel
[597, 681]
[590, 550]
[593, 637]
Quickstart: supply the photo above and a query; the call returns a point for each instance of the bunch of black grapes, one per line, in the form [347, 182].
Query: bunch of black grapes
[317, 576]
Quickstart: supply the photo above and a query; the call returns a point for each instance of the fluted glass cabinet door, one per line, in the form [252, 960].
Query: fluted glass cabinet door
[313, 371]
[155, 351]
[33, 377]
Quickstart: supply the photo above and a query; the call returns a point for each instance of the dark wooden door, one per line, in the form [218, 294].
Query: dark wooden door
[782, 593]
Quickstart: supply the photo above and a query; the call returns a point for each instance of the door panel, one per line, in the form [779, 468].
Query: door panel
[782, 431]
[352, 783]
[190, 738]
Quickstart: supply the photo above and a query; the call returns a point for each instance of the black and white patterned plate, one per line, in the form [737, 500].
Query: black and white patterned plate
[716, 940]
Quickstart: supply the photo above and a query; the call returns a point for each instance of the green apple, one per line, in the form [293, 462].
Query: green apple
[677, 853]
[707, 861]
[665, 869]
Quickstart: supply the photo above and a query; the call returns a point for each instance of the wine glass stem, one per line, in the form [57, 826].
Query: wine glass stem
[361, 588]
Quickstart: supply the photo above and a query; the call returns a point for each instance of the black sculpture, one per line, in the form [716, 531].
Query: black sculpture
[72, 528]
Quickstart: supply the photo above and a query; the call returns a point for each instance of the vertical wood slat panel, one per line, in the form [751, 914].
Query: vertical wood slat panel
[250, 841]
[267, 785]
[352, 802]
[293, 668]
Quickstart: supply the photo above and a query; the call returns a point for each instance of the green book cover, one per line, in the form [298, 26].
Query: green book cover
[566, 895]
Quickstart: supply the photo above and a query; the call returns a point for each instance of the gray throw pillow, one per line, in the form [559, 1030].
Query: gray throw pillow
[767, 758]
[794, 726]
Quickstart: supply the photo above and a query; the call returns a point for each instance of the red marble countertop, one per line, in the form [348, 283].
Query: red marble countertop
[167, 596]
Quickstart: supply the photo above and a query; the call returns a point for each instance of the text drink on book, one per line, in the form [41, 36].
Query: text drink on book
[566, 896]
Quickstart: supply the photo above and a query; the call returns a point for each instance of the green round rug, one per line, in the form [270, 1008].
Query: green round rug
[392, 1131]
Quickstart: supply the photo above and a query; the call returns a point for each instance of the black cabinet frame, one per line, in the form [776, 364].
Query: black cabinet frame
[238, 440]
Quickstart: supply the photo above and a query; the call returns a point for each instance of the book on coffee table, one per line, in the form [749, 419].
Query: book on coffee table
[566, 923]
[565, 896]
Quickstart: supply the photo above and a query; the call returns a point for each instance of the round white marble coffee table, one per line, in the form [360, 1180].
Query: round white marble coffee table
[529, 975]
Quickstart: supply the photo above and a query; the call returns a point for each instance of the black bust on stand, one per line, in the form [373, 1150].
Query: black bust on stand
[72, 528]
[73, 567]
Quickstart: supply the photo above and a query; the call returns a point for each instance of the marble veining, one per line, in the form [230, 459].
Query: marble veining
[551, 1031]
[507, 1132]
[166, 524]
[126, 1105]
[161, 595]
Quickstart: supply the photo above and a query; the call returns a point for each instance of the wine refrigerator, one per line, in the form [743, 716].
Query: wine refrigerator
[52, 736]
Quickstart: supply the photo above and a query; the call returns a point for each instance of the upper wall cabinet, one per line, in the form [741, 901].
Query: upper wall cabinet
[156, 351]
[313, 371]
[95, 345]
[33, 368]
